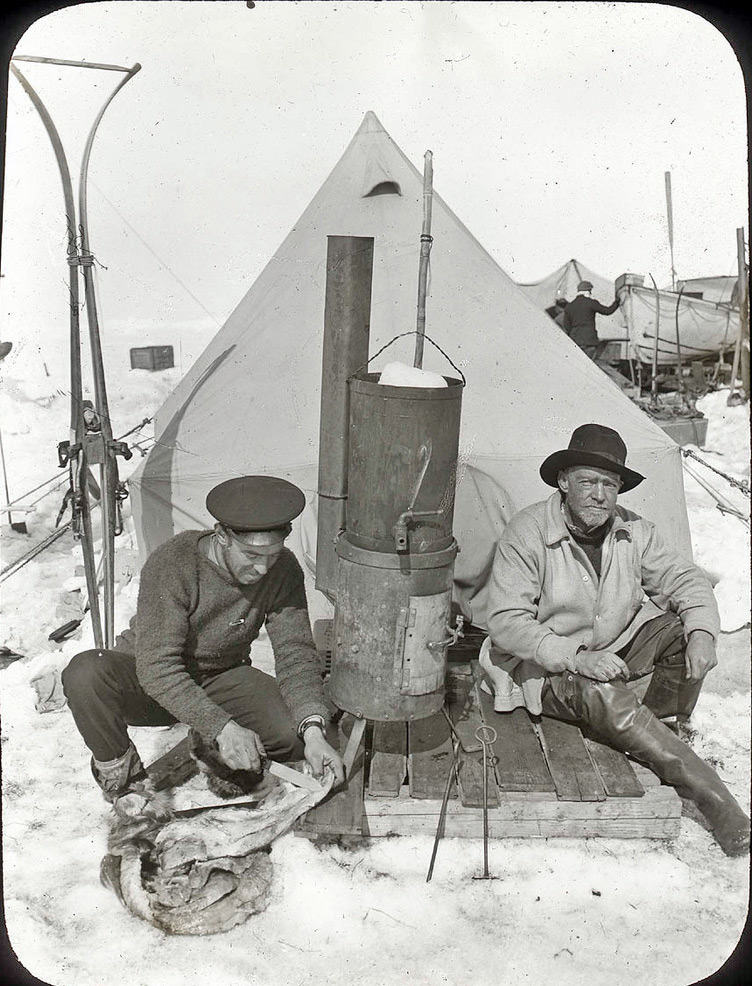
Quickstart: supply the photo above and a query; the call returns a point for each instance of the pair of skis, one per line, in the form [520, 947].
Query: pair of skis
[90, 442]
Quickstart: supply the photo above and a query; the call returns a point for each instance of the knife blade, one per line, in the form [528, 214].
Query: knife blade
[200, 809]
[295, 777]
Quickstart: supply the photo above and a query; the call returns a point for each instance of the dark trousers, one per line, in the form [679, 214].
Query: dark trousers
[105, 697]
[657, 647]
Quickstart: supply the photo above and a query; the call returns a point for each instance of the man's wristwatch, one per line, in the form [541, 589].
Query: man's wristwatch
[311, 721]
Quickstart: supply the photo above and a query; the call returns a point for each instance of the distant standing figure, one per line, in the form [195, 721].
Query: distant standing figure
[578, 320]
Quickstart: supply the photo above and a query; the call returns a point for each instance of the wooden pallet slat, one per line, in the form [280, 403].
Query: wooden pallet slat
[657, 815]
[464, 711]
[174, 767]
[472, 828]
[342, 812]
[660, 802]
[388, 759]
[520, 765]
[616, 772]
[429, 757]
[572, 769]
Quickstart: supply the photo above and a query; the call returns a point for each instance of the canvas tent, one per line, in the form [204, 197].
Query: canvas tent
[250, 403]
[562, 283]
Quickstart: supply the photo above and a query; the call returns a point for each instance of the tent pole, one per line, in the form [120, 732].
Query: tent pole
[670, 217]
[425, 251]
[654, 381]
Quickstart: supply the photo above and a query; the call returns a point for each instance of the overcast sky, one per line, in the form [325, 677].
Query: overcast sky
[552, 126]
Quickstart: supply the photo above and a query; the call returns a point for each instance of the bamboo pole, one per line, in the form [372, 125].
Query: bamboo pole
[425, 252]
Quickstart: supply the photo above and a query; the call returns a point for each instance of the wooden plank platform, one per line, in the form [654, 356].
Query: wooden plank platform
[548, 781]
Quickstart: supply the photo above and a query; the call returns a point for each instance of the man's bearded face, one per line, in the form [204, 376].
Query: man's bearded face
[590, 495]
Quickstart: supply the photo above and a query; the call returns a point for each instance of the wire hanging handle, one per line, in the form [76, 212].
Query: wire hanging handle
[414, 332]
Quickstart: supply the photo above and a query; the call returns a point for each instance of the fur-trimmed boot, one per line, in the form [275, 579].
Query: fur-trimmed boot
[126, 785]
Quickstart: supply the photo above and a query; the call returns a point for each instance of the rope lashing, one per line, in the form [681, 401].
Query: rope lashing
[740, 484]
[84, 260]
[33, 552]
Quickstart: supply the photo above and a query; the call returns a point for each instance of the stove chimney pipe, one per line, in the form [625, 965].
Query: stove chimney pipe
[347, 315]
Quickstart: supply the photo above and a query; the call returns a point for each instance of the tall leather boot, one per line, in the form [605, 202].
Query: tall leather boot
[670, 696]
[611, 715]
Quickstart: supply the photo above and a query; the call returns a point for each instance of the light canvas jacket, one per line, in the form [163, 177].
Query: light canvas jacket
[546, 600]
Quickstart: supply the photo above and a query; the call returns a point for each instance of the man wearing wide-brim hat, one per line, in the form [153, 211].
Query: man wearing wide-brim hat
[578, 318]
[204, 595]
[587, 604]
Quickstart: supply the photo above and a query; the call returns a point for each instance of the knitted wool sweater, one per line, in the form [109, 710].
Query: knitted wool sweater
[193, 621]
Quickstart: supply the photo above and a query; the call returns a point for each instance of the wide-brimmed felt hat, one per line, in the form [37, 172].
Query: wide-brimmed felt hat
[255, 503]
[592, 445]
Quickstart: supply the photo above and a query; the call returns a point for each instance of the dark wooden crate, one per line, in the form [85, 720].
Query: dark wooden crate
[152, 358]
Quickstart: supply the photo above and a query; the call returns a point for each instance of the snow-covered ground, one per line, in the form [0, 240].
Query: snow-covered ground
[560, 911]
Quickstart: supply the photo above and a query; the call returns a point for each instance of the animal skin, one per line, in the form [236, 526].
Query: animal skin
[203, 874]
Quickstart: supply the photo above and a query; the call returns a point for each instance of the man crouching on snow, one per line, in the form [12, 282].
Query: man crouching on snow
[203, 597]
[571, 629]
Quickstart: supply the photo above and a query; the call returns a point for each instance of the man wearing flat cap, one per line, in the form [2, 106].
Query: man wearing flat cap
[585, 601]
[203, 597]
[578, 318]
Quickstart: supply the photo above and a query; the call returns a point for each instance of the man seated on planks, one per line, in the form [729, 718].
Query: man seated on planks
[584, 599]
[203, 598]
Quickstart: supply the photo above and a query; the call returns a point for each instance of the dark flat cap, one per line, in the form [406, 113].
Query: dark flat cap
[255, 503]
